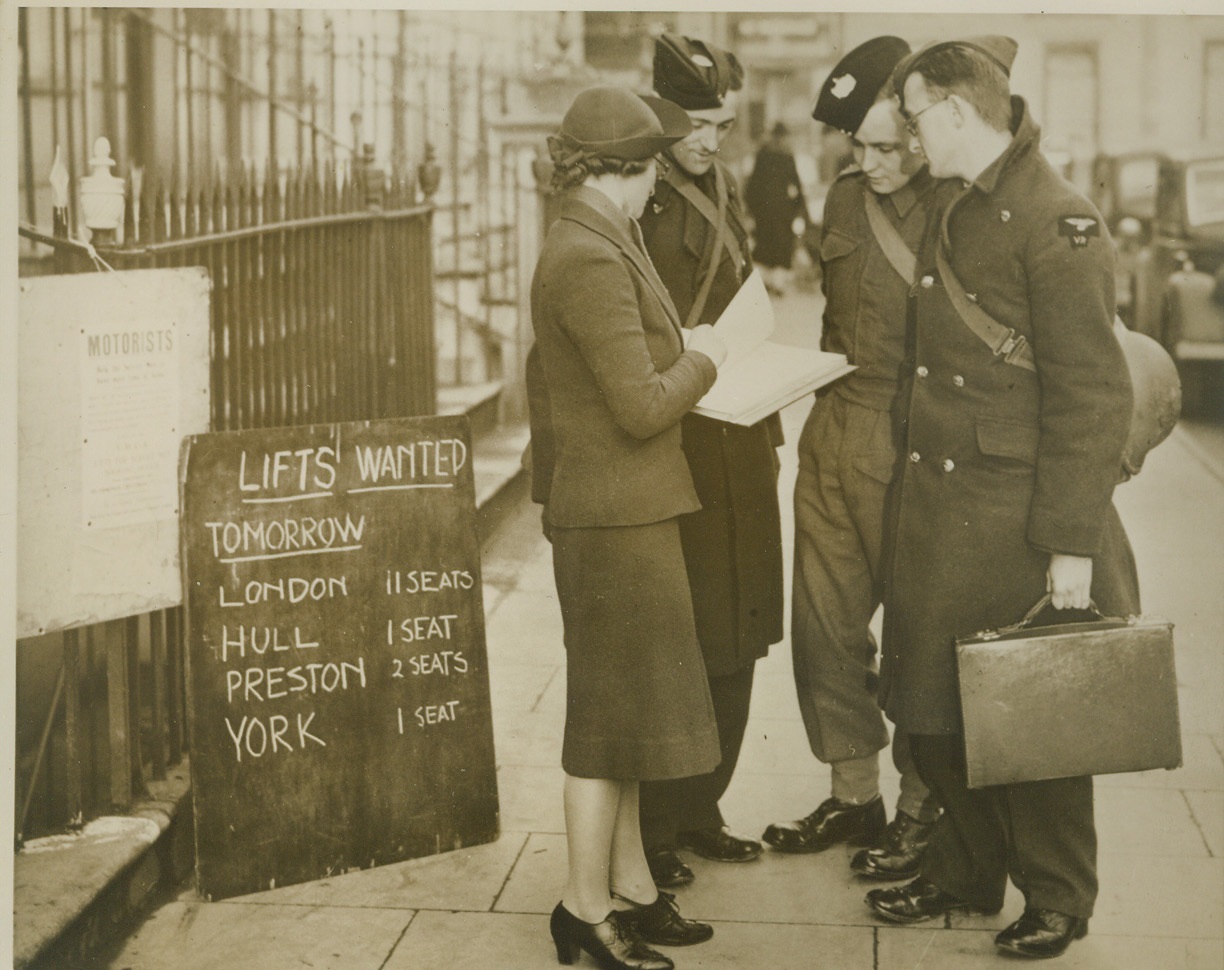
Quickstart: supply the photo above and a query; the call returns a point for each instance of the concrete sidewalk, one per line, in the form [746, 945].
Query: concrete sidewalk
[1161, 833]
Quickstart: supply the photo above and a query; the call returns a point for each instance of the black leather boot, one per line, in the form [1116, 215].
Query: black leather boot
[899, 854]
[834, 821]
[1042, 933]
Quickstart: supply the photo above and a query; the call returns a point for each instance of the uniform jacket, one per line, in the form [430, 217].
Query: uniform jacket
[867, 322]
[1005, 466]
[609, 379]
[733, 546]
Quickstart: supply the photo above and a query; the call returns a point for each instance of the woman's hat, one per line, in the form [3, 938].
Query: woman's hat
[613, 122]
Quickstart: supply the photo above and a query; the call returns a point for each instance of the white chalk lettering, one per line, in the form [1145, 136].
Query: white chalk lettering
[428, 580]
[444, 458]
[429, 714]
[427, 628]
[260, 640]
[258, 684]
[303, 734]
[303, 469]
[443, 663]
[253, 736]
[284, 535]
[291, 589]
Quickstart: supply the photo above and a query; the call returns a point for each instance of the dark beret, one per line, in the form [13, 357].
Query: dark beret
[854, 84]
[693, 74]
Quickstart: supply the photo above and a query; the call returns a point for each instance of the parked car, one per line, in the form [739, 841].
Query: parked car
[1124, 189]
[1166, 212]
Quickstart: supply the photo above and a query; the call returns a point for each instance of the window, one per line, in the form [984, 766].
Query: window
[1071, 119]
[1213, 91]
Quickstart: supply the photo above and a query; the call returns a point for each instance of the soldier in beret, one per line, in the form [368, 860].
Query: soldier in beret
[875, 217]
[694, 231]
[1017, 417]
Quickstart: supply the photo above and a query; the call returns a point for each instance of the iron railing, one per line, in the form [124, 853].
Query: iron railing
[321, 311]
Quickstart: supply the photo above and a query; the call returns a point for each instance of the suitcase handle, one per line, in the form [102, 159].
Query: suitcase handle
[1031, 615]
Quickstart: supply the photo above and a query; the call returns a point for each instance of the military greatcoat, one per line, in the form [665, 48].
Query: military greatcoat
[1003, 465]
[733, 546]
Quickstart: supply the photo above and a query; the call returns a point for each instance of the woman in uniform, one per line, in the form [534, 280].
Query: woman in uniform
[609, 379]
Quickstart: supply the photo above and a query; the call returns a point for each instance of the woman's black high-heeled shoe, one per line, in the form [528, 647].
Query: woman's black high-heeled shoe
[613, 945]
[660, 922]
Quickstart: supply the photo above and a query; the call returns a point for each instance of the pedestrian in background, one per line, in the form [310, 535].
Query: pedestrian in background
[874, 220]
[774, 196]
[609, 381]
[694, 230]
[1013, 448]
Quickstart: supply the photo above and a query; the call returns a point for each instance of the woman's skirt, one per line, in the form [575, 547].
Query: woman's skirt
[637, 698]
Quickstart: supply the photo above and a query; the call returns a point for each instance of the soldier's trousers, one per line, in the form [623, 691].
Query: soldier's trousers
[683, 804]
[846, 460]
[1042, 834]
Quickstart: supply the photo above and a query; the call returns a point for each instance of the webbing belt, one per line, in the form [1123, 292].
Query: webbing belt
[717, 218]
[1003, 341]
[899, 255]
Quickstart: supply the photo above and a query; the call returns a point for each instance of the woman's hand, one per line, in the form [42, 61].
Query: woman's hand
[704, 340]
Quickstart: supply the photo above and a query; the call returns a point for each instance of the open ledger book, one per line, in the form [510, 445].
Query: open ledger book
[760, 376]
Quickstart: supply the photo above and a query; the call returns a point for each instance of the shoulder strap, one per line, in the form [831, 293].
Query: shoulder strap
[716, 217]
[1003, 341]
[712, 251]
[899, 255]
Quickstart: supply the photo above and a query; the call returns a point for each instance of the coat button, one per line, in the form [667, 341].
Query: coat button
[1005, 215]
[927, 282]
[922, 372]
[958, 381]
[915, 457]
[948, 464]
[972, 297]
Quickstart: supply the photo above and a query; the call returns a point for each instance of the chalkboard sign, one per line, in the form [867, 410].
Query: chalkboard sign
[337, 679]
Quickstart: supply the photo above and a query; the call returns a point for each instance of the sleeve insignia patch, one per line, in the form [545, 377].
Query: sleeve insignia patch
[1078, 229]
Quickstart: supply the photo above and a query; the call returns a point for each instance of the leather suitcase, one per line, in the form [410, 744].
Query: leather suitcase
[1089, 698]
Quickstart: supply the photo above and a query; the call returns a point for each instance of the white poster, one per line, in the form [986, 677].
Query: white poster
[114, 373]
[129, 422]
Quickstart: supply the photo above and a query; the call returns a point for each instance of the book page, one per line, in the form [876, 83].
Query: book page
[771, 369]
[747, 321]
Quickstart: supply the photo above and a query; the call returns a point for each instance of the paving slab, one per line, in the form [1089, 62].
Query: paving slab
[530, 738]
[531, 798]
[1202, 769]
[1162, 897]
[1207, 808]
[209, 936]
[463, 941]
[958, 949]
[530, 632]
[465, 879]
[1148, 821]
[467, 941]
[538, 878]
[1200, 709]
